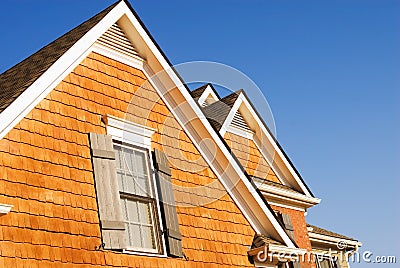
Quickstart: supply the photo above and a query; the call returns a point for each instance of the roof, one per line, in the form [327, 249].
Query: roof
[321, 231]
[218, 111]
[198, 91]
[17, 79]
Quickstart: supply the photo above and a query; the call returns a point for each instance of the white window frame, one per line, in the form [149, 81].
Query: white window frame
[136, 135]
[323, 257]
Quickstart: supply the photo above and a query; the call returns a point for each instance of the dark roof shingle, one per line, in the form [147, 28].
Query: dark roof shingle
[218, 111]
[17, 79]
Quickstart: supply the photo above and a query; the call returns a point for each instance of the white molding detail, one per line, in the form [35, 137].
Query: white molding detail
[285, 205]
[240, 132]
[283, 197]
[133, 61]
[126, 131]
[5, 209]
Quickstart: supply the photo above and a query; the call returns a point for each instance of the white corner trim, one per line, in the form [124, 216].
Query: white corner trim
[126, 131]
[207, 92]
[5, 209]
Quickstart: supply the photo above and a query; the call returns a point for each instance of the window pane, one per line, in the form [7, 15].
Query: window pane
[134, 235]
[144, 213]
[132, 209]
[148, 237]
[132, 171]
[141, 163]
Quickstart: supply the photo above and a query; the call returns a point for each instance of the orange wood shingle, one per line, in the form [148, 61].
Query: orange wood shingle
[46, 173]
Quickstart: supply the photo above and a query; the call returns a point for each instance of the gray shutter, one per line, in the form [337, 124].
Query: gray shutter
[288, 225]
[296, 264]
[108, 199]
[170, 218]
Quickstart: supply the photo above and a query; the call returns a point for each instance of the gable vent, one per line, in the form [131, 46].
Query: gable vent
[115, 38]
[239, 122]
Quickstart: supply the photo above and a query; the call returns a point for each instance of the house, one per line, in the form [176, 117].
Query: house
[104, 164]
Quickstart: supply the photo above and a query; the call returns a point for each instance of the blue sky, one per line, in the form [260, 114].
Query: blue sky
[330, 71]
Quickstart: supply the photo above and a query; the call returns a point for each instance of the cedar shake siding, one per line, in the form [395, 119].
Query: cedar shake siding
[250, 157]
[47, 175]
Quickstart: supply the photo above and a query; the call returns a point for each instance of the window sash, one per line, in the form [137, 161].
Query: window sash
[128, 171]
[138, 241]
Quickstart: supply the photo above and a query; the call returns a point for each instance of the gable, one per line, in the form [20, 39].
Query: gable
[172, 92]
[49, 173]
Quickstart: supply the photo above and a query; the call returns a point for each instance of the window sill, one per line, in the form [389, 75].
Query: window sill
[134, 251]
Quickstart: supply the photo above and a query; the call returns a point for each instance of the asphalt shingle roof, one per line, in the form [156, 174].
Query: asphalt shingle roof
[218, 111]
[17, 79]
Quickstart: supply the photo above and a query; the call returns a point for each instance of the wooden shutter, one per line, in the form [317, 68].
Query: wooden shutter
[288, 225]
[167, 202]
[108, 198]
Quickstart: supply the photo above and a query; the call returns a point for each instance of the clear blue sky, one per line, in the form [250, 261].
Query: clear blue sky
[330, 71]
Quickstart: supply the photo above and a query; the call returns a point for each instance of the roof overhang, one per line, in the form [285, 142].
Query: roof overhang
[335, 242]
[278, 196]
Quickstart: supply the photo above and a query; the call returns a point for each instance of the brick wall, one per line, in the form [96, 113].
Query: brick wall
[300, 230]
[46, 174]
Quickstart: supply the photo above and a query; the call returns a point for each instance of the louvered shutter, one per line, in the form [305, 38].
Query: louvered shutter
[108, 199]
[168, 208]
[288, 225]
[296, 264]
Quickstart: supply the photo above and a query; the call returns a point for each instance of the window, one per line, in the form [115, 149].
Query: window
[133, 200]
[138, 202]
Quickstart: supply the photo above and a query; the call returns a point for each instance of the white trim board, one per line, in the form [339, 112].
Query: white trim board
[124, 130]
[5, 209]
[187, 113]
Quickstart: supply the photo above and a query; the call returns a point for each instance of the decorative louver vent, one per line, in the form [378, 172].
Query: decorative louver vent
[116, 39]
[239, 122]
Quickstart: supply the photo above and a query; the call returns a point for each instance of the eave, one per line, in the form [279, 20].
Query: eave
[279, 196]
[334, 241]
